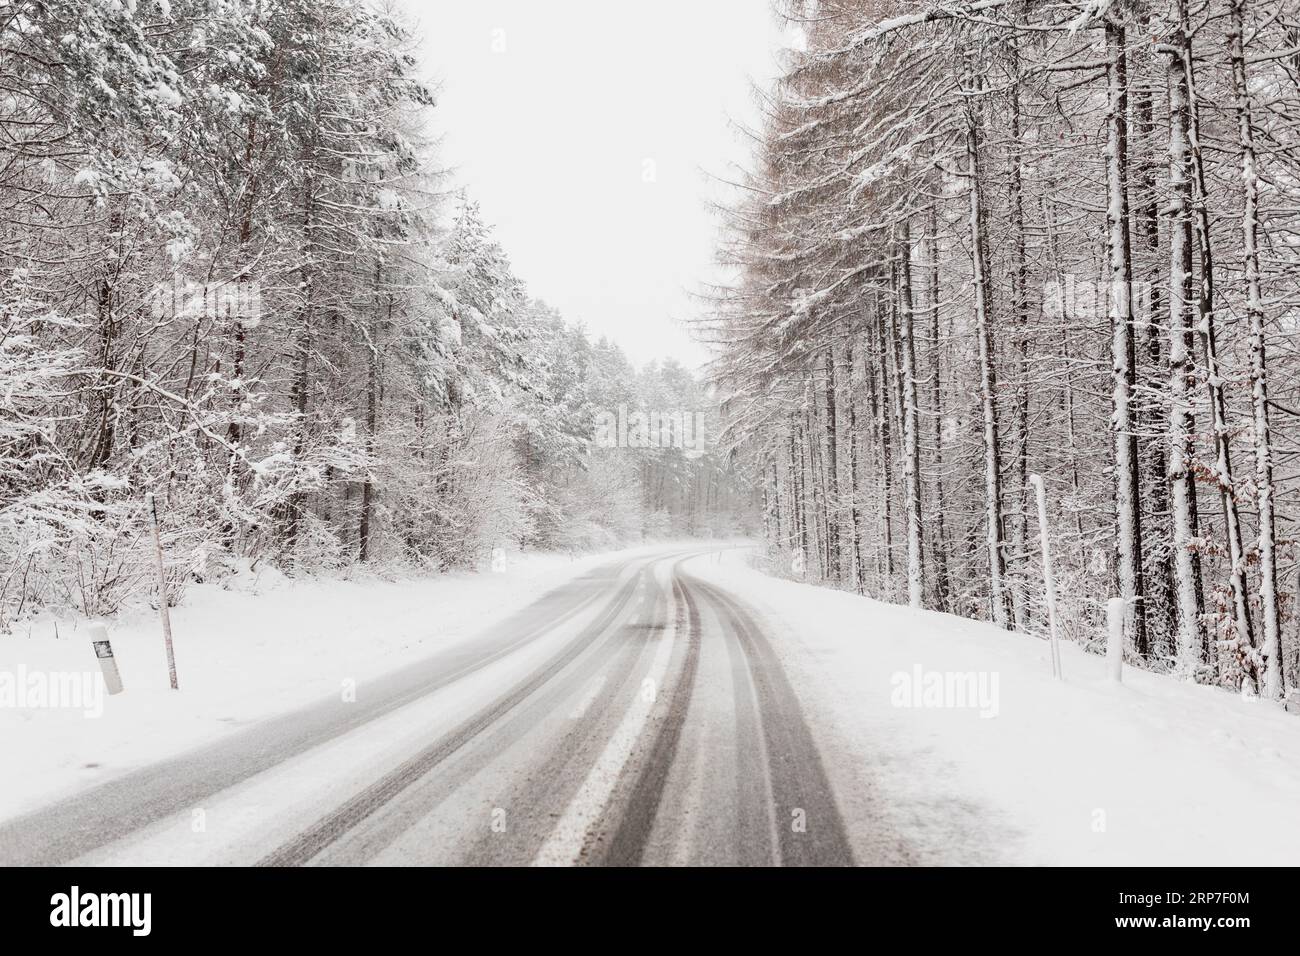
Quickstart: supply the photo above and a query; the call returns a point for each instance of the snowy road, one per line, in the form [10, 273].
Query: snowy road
[635, 715]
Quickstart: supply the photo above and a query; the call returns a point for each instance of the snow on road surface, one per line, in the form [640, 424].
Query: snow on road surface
[565, 844]
[248, 648]
[1152, 771]
[900, 737]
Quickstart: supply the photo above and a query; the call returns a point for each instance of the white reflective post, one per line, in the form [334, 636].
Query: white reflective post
[107, 662]
[1115, 614]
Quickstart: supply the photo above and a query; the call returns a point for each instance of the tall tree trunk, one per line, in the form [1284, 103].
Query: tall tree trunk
[1151, 365]
[372, 417]
[831, 468]
[1127, 507]
[799, 541]
[1225, 480]
[1272, 637]
[911, 426]
[1188, 643]
[1020, 308]
[855, 510]
[302, 348]
[999, 607]
[943, 586]
[880, 412]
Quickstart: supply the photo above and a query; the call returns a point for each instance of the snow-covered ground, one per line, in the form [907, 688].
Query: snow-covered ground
[1034, 771]
[953, 730]
[251, 647]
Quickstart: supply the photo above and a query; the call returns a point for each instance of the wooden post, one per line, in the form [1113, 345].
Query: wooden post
[151, 506]
[1049, 581]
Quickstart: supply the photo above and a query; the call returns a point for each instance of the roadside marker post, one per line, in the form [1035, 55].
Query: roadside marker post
[151, 506]
[1049, 580]
[1116, 611]
[107, 662]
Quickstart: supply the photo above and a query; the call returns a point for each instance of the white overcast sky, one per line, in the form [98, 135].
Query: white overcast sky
[549, 111]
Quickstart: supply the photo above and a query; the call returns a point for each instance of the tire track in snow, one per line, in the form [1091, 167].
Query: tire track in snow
[578, 830]
[801, 791]
[334, 825]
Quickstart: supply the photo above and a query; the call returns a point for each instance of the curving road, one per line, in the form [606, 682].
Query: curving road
[635, 716]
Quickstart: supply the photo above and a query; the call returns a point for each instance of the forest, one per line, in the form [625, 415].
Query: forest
[985, 241]
[234, 278]
[975, 245]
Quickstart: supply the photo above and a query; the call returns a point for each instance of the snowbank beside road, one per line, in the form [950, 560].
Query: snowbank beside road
[981, 757]
[257, 646]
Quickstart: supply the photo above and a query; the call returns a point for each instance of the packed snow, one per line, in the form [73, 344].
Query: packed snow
[956, 728]
[254, 646]
[1149, 771]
